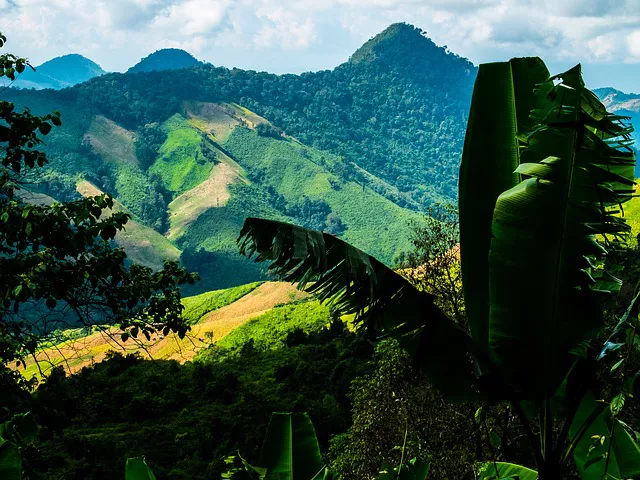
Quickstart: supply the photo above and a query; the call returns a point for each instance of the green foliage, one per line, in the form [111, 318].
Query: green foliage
[149, 139]
[397, 415]
[15, 434]
[185, 419]
[507, 471]
[279, 327]
[540, 268]
[137, 469]
[182, 164]
[290, 450]
[197, 306]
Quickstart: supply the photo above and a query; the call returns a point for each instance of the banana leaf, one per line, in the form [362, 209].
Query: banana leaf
[10, 461]
[606, 446]
[505, 471]
[137, 469]
[548, 267]
[290, 450]
[502, 101]
[385, 303]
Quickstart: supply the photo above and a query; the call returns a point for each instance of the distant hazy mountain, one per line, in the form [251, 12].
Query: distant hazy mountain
[165, 59]
[621, 103]
[60, 72]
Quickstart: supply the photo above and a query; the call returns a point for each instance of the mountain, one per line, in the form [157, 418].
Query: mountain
[165, 59]
[358, 151]
[59, 72]
[627, 104]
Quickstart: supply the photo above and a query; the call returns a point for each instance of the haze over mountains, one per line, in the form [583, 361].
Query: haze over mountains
[190, 149]
[60, 72]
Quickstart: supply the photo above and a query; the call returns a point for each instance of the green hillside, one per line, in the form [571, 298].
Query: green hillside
[183, 161]
[164, 59]
[357, 151]
[398, 109]
[190, 182]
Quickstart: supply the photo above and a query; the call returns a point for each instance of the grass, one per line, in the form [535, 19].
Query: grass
[181, 164]
[270, 330]
[199, 305]
[632, 216]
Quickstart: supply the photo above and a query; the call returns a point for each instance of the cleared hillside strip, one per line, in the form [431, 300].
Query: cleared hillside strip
[77, 353]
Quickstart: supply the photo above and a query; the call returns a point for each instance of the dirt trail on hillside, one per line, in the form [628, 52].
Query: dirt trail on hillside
[75, 355]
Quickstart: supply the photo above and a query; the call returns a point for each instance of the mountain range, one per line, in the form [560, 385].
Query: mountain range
[189, 149]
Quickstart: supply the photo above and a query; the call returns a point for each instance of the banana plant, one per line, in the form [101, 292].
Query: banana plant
[290, 451]
[15, 433]
[545, 170]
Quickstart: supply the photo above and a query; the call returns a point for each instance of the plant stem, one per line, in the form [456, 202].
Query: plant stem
[535, 447]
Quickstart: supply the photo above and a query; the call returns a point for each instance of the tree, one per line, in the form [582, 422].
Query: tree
[434, 263]
[58, 267]
[544, 169]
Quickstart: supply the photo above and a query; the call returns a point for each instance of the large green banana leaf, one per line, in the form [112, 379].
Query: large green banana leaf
[385, 303]
[10, 461]
[506, 471]
[607, 446]
[137, 469]
[290, 450]
[500, 107]
[547, 267]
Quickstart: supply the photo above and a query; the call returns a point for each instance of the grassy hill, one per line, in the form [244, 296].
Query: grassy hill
[212, 315]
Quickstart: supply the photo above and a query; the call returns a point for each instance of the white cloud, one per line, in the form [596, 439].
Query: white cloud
[284, 29]
[633, 44]
[281, 35]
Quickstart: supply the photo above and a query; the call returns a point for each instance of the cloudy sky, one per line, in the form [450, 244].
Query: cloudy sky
[302, 35]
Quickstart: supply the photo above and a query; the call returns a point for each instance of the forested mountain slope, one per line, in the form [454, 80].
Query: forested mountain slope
[398, 108]
[356, 151]
[165, 59]
[190, 181]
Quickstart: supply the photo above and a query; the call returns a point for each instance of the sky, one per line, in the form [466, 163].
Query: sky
[292, 36]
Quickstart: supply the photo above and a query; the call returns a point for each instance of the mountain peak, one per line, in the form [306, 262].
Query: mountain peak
[60, 72]
[408, 47]
[395, 36]
[165, 59]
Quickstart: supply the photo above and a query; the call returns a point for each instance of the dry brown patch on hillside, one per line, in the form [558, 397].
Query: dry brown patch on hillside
[112, 142]
[212, 193]
[75, 354]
